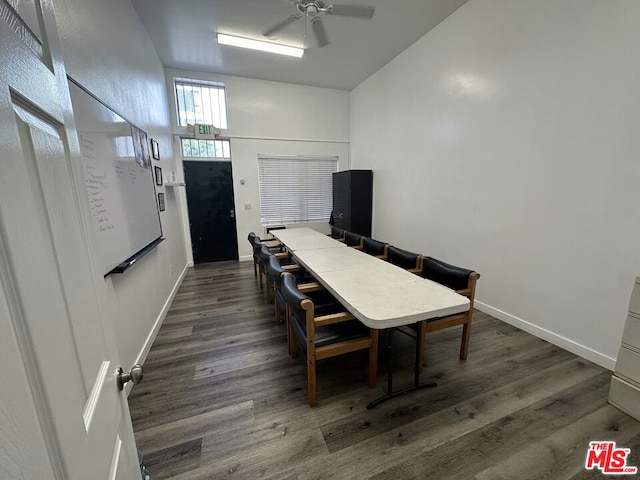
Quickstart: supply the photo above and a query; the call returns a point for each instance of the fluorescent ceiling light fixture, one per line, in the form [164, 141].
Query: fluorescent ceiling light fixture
[258, 45]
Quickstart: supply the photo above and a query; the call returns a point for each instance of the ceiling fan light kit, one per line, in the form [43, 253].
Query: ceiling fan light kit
[224, 39]
[313, 10]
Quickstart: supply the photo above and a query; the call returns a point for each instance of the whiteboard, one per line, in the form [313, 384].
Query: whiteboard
[119, 181]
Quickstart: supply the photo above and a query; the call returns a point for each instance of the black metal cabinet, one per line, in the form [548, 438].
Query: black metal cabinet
[353, 200]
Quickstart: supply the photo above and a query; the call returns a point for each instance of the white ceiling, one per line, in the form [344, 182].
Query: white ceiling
[183, 33]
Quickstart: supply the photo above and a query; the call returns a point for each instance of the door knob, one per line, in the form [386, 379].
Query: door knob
[232, 213]
[135, 375]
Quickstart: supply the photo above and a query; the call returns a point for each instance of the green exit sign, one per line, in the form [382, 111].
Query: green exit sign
[205, 131]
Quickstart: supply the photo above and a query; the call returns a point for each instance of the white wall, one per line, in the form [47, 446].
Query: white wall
[107, 50]
[506, 140]
[272, 118]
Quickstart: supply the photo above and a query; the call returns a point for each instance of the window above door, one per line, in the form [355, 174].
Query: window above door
[200, 101]
[197, 148]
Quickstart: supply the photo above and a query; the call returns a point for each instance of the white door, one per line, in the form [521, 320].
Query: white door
[61, 413]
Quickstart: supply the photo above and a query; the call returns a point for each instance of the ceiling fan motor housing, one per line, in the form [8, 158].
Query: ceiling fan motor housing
[311, 8]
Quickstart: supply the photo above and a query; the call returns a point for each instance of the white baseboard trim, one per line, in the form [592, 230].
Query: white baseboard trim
[551, 337]
[245, 258]
[156, 327]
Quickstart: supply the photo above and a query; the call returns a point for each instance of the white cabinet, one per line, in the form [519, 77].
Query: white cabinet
[631, 335]
[625, 383]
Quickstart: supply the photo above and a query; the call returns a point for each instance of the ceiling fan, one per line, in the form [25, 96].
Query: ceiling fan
[313, 10]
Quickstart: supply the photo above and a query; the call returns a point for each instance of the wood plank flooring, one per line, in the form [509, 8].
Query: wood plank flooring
[221, 399]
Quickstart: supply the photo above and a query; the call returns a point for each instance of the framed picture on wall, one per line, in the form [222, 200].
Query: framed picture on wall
[158, 174]
[155, 150]
[140, 147]
[161, 202]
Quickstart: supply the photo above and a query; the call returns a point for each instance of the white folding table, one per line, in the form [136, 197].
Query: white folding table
[380, 295]
[295, 239]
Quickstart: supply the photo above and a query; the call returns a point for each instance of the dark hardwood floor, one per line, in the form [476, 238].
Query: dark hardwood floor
[221, 398]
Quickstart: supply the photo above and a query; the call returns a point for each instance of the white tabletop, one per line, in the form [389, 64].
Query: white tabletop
[290, 233]
[387, 296]
[305, 239]
[320, 260]
[378, 293]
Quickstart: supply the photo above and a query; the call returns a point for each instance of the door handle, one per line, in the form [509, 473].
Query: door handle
[135, 375]
[232, 213]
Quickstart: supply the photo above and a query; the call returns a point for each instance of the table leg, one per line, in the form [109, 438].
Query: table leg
[416, 371]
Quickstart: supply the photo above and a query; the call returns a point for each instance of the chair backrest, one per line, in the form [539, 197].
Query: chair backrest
[294, 299]
[456, 278]
[352, 239]
[337, 233]
[263, 257]
[257, 246]
[373, 247]
[253, 239]
[402, 258]
[274, 271]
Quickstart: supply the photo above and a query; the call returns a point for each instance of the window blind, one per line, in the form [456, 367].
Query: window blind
[296, 188]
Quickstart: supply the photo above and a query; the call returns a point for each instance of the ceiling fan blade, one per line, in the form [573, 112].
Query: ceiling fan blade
[355, 11]
[271, 33]
[320, 32]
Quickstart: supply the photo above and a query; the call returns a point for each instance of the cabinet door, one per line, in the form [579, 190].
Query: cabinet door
[342, 199]
[361, 201]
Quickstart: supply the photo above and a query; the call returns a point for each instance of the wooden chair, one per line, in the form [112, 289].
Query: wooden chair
[463, 281]
[306, 283]
[255, 240]
[354, 240]
[252, 237]
[404, 259]
[375, 248]
[337, 233]
[263, 258]
[324, 336]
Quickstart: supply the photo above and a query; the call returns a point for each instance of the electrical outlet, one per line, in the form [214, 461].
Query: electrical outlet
[247, 206]
[171, 269]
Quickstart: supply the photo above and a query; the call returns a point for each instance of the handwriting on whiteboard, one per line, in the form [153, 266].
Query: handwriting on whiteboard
[97, 185]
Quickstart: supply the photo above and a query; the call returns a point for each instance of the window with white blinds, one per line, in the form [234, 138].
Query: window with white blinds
[295, 188]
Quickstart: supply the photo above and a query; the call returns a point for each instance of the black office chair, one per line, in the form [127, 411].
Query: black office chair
[324, 334]
[337, 233]
[404, 259]
[375, 247]
[353, 240]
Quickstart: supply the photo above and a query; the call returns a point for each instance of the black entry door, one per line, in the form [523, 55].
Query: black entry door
[212, 216]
